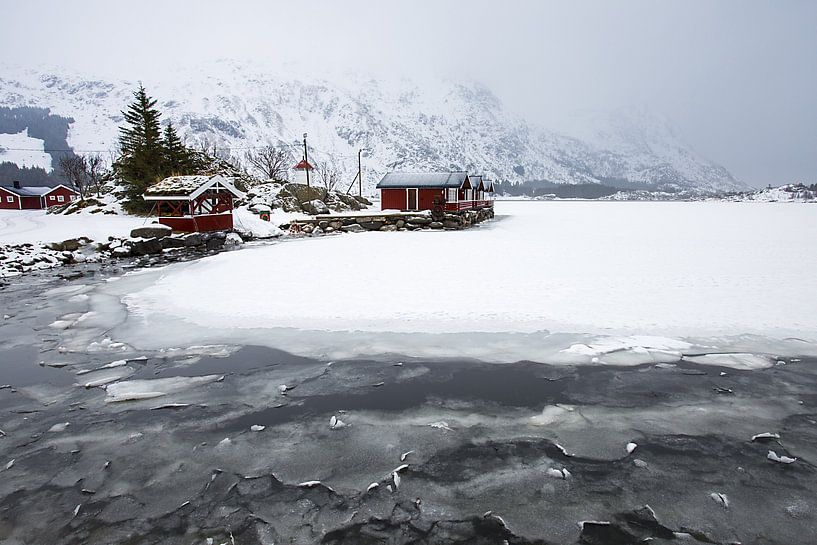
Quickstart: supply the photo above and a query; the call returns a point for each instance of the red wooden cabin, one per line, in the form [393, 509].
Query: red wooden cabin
[436, 191]
[194, 203]
[18, 197]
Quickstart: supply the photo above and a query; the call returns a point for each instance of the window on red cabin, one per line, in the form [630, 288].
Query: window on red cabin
[9, 199]
[52, 197]
[60, 198]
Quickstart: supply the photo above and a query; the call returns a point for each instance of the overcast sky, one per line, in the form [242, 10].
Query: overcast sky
[738, 78]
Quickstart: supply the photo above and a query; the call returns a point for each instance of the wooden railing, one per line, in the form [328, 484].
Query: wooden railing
[467, 205]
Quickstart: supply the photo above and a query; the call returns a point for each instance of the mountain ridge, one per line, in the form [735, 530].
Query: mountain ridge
[435, 124]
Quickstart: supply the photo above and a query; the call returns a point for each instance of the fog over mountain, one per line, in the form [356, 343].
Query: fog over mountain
[733, 80]
[403, 124]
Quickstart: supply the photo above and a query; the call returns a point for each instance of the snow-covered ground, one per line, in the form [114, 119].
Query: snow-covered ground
[20, 226]
[23, 150]
[679, 270]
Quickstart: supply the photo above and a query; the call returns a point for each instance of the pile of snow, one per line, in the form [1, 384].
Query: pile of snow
[675, 270]
[34, 226]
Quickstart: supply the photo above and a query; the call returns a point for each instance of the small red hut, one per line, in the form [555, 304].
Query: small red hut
[302, 170]
[194, 203]
[19, 197]
[449, 191]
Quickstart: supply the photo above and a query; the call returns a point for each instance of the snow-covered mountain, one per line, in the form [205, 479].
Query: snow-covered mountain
[405, 125]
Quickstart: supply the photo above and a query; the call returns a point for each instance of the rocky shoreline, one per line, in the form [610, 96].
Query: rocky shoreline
[154, 239]
[406, 221]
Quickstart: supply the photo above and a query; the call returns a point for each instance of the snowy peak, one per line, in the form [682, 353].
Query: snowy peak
[404, 124]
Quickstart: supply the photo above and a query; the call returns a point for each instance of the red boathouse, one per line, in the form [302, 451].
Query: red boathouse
[18, 197]
[194, 203]
[435, 191]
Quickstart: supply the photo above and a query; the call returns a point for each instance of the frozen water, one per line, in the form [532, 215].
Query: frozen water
[568, 295]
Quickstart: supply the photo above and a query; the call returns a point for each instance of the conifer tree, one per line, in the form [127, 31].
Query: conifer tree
[178, 159]
[140, 140]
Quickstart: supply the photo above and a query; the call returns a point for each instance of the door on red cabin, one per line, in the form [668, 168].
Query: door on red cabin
[411, 199]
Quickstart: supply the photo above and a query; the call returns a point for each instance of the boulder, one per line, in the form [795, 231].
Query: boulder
[233, 240]
[353, 228]
[121, 251]
[290, 204]
[154, 230]
[70, 245]
[172, 242]
[371, 225]
[192, 239]
[215, 243]
[389, 228]
[145, 247]
[435, 225]
[400, 223]
[420, 220]
[303, 193]
[448, 224]
[350, 201]
[315, 206]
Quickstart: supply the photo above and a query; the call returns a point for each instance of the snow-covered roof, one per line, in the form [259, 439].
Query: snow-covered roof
[188, 187]
[475, 180]
[424, 179]
[32, 191]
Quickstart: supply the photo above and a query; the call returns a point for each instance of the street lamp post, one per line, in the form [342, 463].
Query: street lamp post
[306, 160]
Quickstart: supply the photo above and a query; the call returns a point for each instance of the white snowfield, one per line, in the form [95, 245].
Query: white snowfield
[20, 226]
[639, 272]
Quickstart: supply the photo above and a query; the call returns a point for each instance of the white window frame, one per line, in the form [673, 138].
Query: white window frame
[452, 194]
[60, 198]
[52, 197]
[9, 198]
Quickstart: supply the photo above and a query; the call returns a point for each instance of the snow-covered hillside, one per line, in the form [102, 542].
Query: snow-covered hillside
[405, 124]
[784, 193]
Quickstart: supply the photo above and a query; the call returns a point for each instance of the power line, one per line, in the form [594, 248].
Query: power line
[226, 148]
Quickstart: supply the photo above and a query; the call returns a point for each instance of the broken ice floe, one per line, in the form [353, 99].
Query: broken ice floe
[441, 426]
[134, 390]
[372, 487]
[552, 414]
[765, 437]
[773, 456]
[10, 464]
[631, 447]
[336, 423]
[720, 499]
[256, 427]
[59, 427]
[735, 360]
[405, 455]
[558, 473]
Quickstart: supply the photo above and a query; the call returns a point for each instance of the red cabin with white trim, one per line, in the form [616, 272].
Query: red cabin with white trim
[18, 197]
[435, 191]
[194, 203]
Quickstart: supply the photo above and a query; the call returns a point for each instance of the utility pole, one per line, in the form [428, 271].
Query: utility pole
[306, 159]
[360, 172]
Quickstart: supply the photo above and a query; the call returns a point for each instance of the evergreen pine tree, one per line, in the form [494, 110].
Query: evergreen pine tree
[178, 159]
[140, 140]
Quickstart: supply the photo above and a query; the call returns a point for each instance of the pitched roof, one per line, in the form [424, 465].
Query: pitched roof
[476, 180]
[33, 190]
[187, 187]
[424, 179]
[304, 165]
